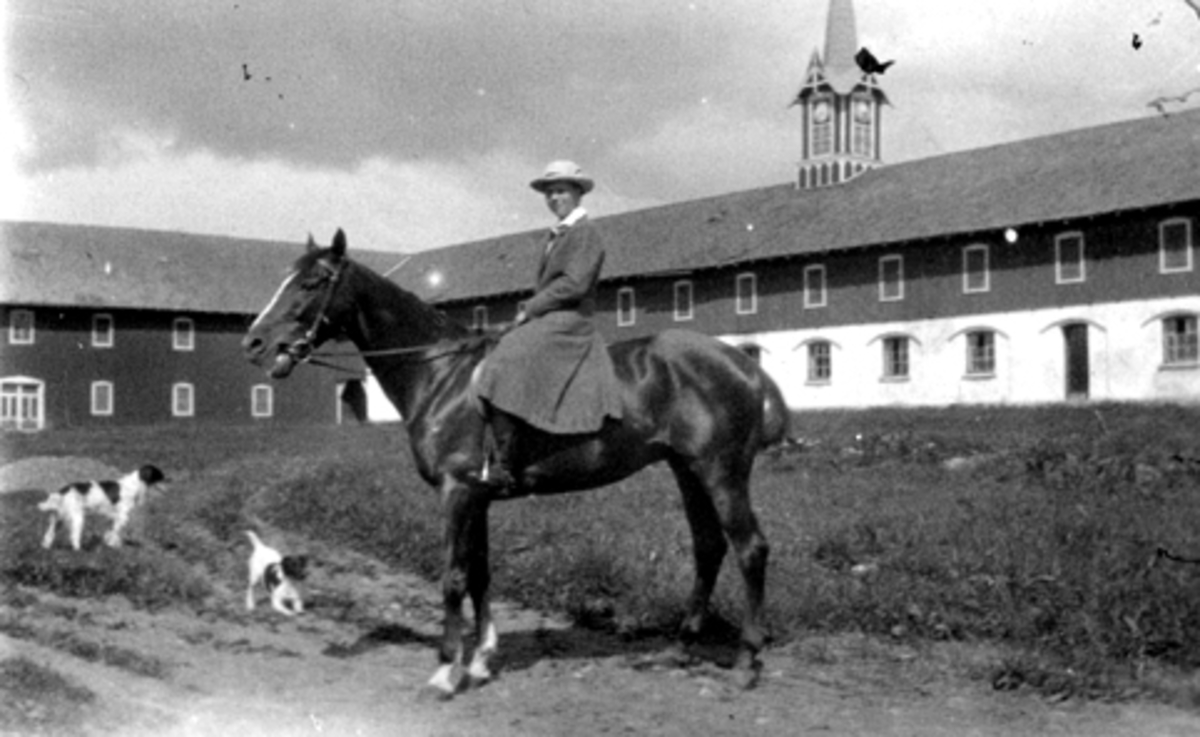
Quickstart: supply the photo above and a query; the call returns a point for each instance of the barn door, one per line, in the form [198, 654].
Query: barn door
[1075, 340]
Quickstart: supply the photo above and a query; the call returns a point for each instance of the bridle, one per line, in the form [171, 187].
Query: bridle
[302, 350]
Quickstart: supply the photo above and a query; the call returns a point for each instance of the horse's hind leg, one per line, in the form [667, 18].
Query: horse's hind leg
[730, 487]
[708, 548]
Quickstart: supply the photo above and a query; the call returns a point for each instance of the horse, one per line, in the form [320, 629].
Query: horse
[703, 407]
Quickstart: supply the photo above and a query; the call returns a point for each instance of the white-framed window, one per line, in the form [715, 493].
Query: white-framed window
[820, 362]
[822, 126]
[262, 400]
[683, 301]
[1180, 346]
[626, 307]
[1069, 260]
[862, 138]
[183, 334]
[102, 331]
[479, 317]
[814, 286]
[976, 269]
[891, 278]
[183, 400]
[1175, 245]
[895, 357]
[20, 327]
[981, 353]
[22, 403]
[102, 398]
[746, 289]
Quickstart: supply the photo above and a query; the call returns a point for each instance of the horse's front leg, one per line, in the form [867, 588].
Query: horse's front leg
[479, 578]
[465, 544]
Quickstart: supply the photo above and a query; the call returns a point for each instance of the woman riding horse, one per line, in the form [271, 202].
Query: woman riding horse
[552, 372]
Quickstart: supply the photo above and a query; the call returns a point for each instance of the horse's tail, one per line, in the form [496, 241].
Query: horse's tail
[777, 419]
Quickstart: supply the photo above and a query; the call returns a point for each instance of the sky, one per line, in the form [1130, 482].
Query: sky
[417, 124]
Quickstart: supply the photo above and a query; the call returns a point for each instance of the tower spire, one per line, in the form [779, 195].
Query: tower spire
[841, 107]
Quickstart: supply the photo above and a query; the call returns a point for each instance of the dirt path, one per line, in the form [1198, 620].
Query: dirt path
[355, 663]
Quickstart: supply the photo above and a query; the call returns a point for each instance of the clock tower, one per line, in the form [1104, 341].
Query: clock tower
[841, 107]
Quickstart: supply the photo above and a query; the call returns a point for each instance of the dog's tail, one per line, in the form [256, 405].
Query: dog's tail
[254, 539]
[53, 503]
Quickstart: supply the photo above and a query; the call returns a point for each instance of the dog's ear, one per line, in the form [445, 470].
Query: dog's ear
[295, 566]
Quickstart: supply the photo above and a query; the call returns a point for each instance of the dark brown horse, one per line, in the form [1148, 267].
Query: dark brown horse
[702, 406]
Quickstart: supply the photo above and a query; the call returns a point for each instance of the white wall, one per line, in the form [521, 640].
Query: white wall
[1124, 345]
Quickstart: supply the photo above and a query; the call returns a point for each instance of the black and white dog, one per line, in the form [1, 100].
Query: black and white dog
[279, 574]
[113, 499]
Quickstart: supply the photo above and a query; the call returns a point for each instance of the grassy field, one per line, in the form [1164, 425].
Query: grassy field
[1035, 529]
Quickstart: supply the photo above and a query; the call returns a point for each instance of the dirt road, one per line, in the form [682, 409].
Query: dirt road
[354, 664]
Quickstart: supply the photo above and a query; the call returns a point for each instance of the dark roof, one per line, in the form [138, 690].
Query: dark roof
[1112, 168]
[92, 266]
[1125, 166]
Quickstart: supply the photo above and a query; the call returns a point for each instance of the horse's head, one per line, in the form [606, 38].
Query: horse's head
[307, 310]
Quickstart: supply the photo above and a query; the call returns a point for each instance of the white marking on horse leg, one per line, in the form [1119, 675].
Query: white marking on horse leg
[443, 680]
[479, 670]
[275, 298]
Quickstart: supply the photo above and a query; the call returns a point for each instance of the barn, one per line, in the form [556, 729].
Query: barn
[1057, 268]
[113, 326]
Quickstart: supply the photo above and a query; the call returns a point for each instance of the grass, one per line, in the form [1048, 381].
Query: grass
[1041, 535]
[40, 701]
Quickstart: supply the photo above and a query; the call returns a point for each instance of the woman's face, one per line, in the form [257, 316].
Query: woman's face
[562, 198]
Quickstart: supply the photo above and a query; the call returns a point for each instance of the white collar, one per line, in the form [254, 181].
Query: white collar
[576, 215]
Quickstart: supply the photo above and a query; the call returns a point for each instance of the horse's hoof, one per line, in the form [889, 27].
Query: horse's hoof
[447, 681]
[430, 693]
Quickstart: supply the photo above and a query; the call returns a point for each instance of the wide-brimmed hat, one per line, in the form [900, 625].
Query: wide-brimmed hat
[563, 171]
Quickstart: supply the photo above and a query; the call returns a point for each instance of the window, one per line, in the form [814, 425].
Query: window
[262, 400]
[981, 353]
[1179, 341]
[102, 331]
[1175, 245]
[820, 362]
[21, 403]
[747, 294]
[1068, 257]
[626, 310]
[20, 327]
[976, 275]
[814, 286]
[479, 318]
[183, 334]
[861, 139]
[891, 278]
[822, 128]
[102, 398]
[895, 357]
[683, 301]
[183, 400]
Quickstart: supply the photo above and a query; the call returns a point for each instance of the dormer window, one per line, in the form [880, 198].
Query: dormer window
[822, 126]
[862, 140]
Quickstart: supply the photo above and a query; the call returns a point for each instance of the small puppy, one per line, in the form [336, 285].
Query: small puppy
[113, 499]
[280, 575]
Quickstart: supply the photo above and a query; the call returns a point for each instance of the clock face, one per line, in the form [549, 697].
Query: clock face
[862, 111]
[821, 111]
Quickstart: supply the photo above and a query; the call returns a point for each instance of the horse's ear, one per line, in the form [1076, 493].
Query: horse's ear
[338, 249]
[312, 244]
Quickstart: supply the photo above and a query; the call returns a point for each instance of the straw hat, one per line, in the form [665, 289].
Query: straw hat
[563, 171]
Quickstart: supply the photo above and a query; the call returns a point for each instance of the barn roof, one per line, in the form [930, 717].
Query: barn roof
[1124, 166]
[1117, 167]
[92, 266]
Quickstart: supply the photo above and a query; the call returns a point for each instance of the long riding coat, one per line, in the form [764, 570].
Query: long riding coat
[554, 371]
